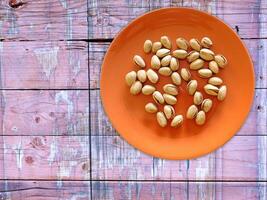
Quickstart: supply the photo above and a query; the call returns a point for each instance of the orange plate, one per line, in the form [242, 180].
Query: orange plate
[127, 113]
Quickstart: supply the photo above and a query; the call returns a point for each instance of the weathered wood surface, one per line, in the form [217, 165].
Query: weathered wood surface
[107, 18]
[45, 157]
[44, 65]
[43, 19]
[257, 49]
[44, 112]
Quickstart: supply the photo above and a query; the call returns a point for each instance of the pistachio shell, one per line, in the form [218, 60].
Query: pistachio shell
[165, 41]
[174, 65]
[185, 74]
[156, 46]
[206, 54]
[165, 71]
[192, 87]
[192, 112]
[165, 61]
[200, 118]
[141, 75]
[152, 76]
[196, 64]
[136, 88]
[215, 81]
[161, 119]
[151, 108]
[213, 66]
[177, 121]
[139, 61]
[147, 46]
[169, 99]
[222, 93]
[220, 60]
[205, 73]
[169, 111]
[163, 52]
[170, 89]
[155, 62]
[148, 89]
[158, 98]
[180, 53]
[198, 98]
[211, 89]
[182, 43]
[206, 105]
[195, 44]
[206, 42]
[130, 78]
[176, 78]
[192, 56]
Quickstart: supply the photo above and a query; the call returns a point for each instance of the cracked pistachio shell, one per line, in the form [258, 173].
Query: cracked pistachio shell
[206, 42]
[136, 88]
[162, 121]
[165, 71]
[155, 62]
[141, 75]
[195, 44]
[165, 41]
[196, 64]
[163, 52]
[222, 93]
[180, 53]
[192, 87]
[165, 61]
[148, 89]
[191, 112]
[170, 89]
[169, 99]
[211, 89]
[182, 43]
[174, 64]
[177, 121]
[158, 98]
[185, 74]
[206, 54]
[215, 81]
[205, 73]
[151, 108]
[152, 76]
[176, 78]
[169, 111]
[192, 56]
[214, 67]
[156, 46]
[198, 98]
[130, 78]
[206, 105]
[220, 60]
[147, 46]
[200, 118]
[139, 61]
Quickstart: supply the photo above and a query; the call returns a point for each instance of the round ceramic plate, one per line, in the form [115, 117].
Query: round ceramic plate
[140, 129]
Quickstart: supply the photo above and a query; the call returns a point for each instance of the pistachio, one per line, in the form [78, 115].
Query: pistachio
[151, 108]
[170, 89]
[141, 75]
[148, 89]
[220, 60]
[197, 64]
[165, 41]
[180, 53]
[174, 65]
[206, 105]
[177, 121]
[147, 46]
[213, 66]
[130, 78]
[205, 73]
[222, 93]
[169, 111]
[176, 78]
[136, 88]
[198, 98]
[195, 44]
[169, 99]
[200, 118]
[211, 89]
[165, 71]
[182, 43]
[158, 98]
[155, 62]
[191, 112]
[206, 42]
[156, 46]
[165, 61]
[215, 81]
[192, 56]
[185, 74]
[192, 87]
[163, 52]
[152, 76]
[139, 61]
[161, 119]
[206, 54]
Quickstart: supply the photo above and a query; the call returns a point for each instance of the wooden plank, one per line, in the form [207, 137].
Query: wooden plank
[44, 65]
[106, 18]
[45, 112]
[254, 124]
[257, 49]
[43, 20]
[45, 157]
[113, 159]
[45, 190]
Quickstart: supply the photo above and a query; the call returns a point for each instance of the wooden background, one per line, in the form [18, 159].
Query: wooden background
[57, 144]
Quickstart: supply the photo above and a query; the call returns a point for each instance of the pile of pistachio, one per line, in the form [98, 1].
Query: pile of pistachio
[165, 62]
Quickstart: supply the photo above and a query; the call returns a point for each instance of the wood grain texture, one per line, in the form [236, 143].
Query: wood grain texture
[257, 49]
[45, 157]
[43, 20]
[176, 190]
[45, 190]
[44, 65]
[45, 112]
[106, 18]
[254, 125]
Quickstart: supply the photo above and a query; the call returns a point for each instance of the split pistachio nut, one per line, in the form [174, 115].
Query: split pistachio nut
[169, 111]
[206, 54]
[182, 43]
[151, 108]
[197, 64]
[215, 81]
[205, 73]
[148, 89]
[161, 119]
[177, 121]
[195, 44]
[139, 61]
[176, 78]
[192, 87]
[169, 99]
[141, 75]
[192, 56]
[206, 105]
[200, 118]
[220, 60]
[214, 67]
[158, 97]
[222, 93]
[170, 89]
[165, 41]
[198, 98]
[163, 52]
[152, 76]
[136, 88]
[155, 62]
[206, 42]
[165, 71]
[156, 46]
[191, 112]
[180, 54]
[174, 64]
[185, 74]
[165, 61]
[211, 89]
[147, 46]
[130, 78]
